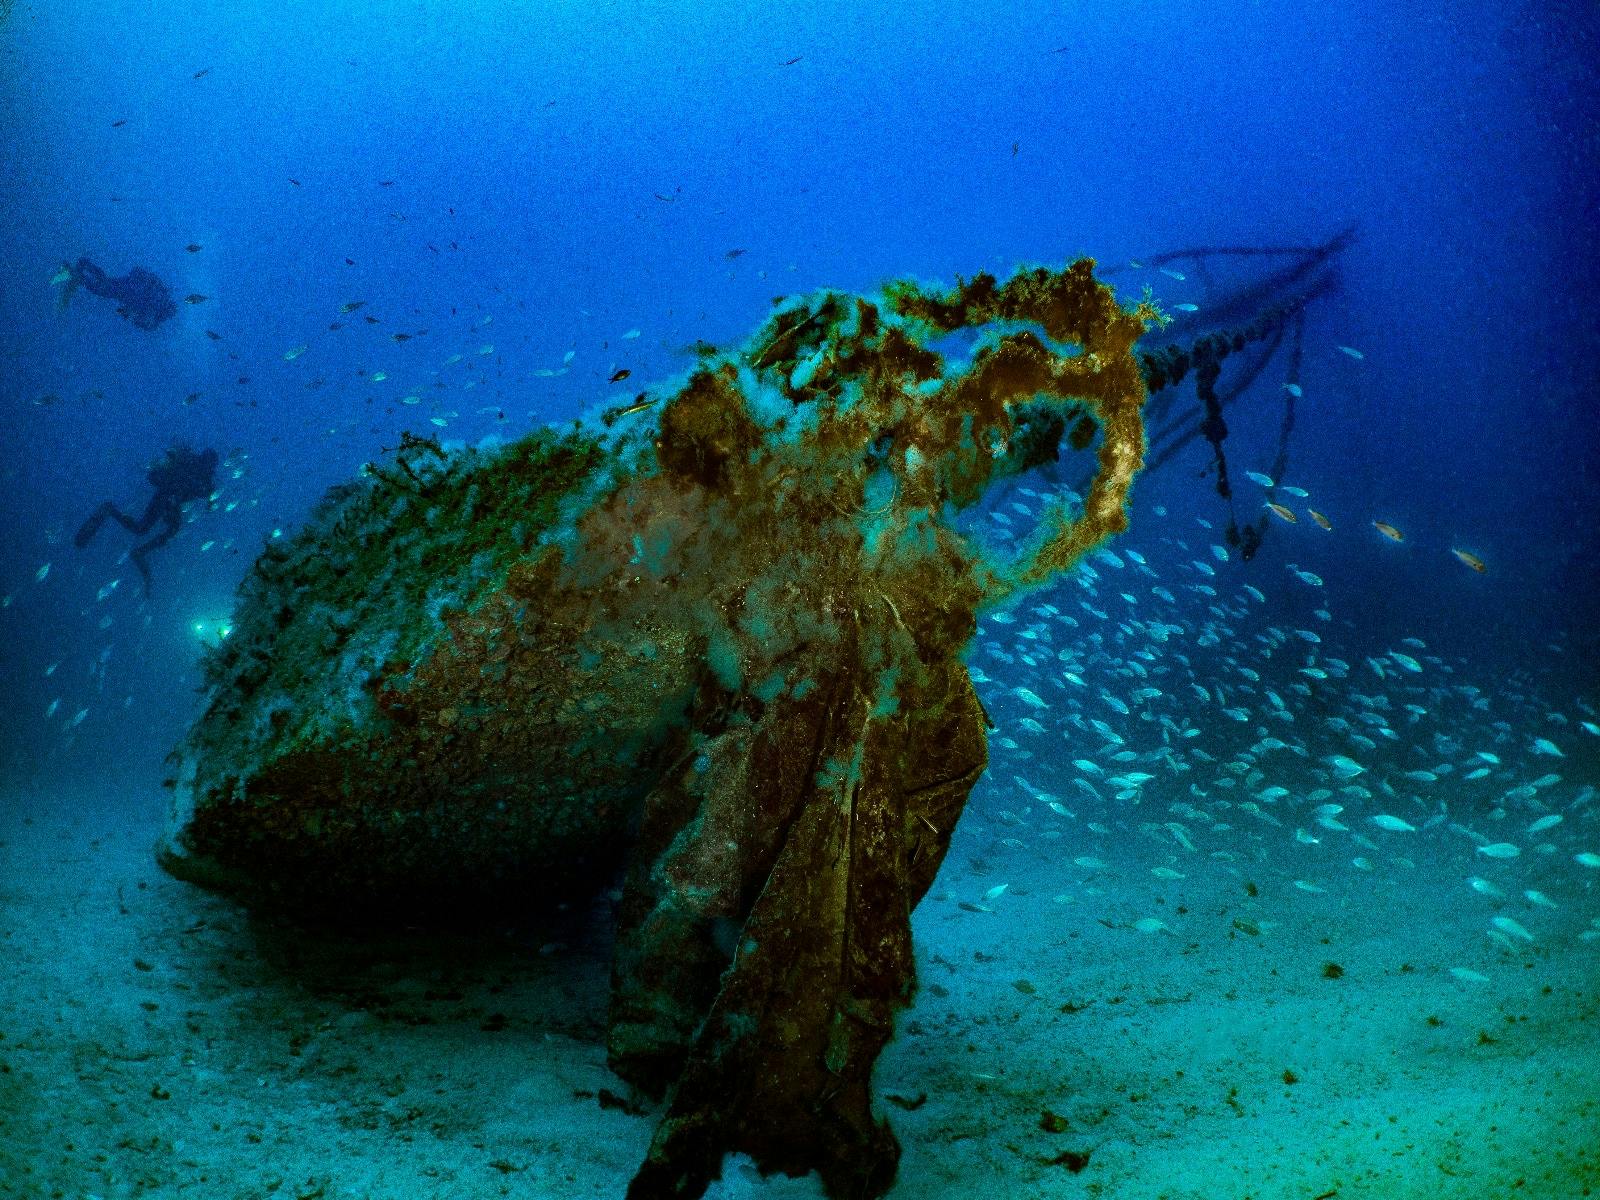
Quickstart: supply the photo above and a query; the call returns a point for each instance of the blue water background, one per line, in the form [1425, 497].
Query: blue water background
[575, 171]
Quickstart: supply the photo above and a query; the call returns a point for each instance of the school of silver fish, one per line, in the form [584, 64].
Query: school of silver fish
[1160, 709]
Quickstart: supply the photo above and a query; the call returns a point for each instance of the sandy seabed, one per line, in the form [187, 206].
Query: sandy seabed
[157, 1041]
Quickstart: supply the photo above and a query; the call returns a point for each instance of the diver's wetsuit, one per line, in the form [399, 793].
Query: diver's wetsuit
[180, 477]
[141, 297]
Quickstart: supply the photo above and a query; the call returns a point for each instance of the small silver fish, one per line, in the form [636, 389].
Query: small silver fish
[1397, 824]
[1511, 926]
[1500, 850]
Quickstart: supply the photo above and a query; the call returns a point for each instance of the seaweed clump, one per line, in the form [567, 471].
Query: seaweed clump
[720, 634]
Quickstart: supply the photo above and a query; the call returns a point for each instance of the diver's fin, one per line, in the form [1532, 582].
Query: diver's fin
[86, 532]
[68, 280]
[144, 570]
[89, 528]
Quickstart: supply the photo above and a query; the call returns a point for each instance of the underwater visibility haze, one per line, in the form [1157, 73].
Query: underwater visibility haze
[660, 600]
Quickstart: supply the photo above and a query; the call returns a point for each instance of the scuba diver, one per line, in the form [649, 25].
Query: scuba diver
[181, 476]
[141, 297]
